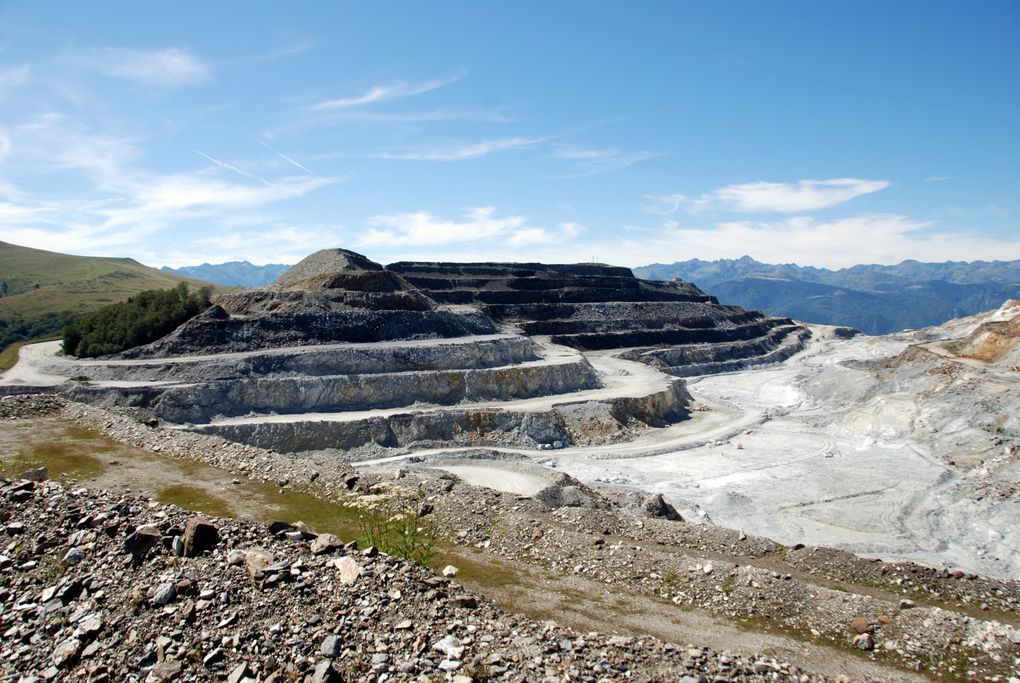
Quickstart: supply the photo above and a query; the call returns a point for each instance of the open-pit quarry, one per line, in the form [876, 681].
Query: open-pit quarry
[579, 390]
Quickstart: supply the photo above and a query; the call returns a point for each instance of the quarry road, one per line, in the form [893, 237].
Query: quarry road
[620, 379]
[37, 356]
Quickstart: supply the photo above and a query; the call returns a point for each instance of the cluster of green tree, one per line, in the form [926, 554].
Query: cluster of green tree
[18, 329]
[141, 319]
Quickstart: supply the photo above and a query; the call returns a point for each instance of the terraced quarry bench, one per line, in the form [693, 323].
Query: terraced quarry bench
[673, 326]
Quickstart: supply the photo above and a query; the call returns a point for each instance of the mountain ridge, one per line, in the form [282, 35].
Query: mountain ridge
[233, 273]
[874, 298]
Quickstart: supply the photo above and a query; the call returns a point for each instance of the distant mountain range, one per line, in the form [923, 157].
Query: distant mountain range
[234, 273]
[872, 298]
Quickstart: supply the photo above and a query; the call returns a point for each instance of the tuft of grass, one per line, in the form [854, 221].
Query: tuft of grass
[195, 498]
[401, 530]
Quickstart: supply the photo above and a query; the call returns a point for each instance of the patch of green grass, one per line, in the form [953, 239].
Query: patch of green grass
[97, 441]
[484, 572]
[320, 515]
[194, 498]
[64, 461]
[9, 356]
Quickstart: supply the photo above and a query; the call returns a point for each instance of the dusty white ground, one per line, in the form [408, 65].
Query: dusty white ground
[812, 451]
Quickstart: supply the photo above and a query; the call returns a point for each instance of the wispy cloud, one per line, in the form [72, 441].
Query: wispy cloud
[381, 93]
[288, 159]
[664, 204]
[938, 178]
[276, 242]
[591, 162]
[231, 167]
[13, 76]
[169, 68]
[461, 151]
[121, 205]
[421, 228]
[489, 115]
[771, 197]
[295, 49]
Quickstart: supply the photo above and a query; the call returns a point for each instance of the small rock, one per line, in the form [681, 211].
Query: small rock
[200, 535]
[325, 543]
[238, 673]
[36, 474]
[255, 562]
[325, 673]
[90, 625]
[347, 569]
[332, 646]
[864, 641]
[860, 625]
[165, 593]
[65, 651]
[464, 601]
[907, 604]
[449, 664]
[450, 646]
[449, 571]
[164, 671]
[656, 506]
[141, 541]
[213, 657]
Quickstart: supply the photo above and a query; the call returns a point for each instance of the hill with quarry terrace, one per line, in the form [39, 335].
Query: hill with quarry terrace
[342, 353]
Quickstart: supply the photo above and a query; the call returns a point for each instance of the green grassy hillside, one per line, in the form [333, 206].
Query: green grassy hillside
[45, 289]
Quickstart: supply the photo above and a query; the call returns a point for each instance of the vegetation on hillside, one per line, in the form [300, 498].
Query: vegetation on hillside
[141, 319]
[46, 290]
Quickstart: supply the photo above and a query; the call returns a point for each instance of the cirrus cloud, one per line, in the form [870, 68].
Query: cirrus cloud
[770, 197]
[422, 228]
[169, 68]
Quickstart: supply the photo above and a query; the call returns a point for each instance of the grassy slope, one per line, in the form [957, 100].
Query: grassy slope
[45, 283]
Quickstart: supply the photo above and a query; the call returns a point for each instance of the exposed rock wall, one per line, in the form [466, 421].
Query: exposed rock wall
[217, 332]
[325, 360]
[582, 423]
[200, 402]
[687, 360]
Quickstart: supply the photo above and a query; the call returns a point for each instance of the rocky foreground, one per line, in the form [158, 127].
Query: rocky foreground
[98, 587]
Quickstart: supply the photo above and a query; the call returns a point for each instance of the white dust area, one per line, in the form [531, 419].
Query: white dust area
[498, 478]
[851, 471]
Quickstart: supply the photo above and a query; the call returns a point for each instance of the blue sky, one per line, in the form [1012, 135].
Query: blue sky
[822, 133]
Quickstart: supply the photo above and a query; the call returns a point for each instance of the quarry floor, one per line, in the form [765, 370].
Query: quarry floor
[763, 455]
